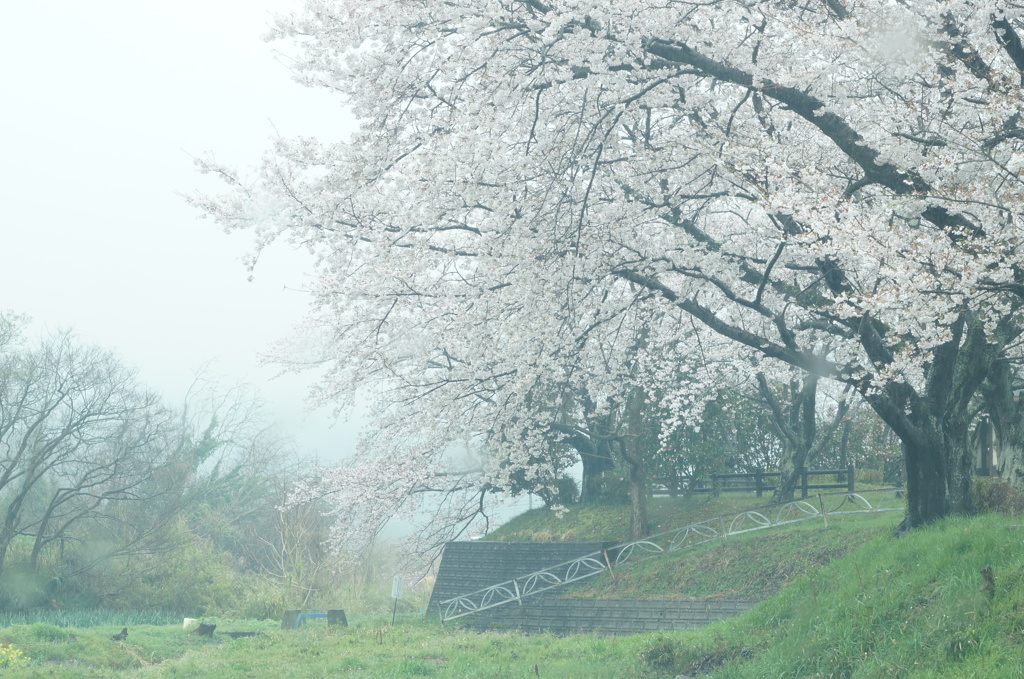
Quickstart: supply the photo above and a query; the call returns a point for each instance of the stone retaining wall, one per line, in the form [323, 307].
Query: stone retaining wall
[605, 616]
[469, 566]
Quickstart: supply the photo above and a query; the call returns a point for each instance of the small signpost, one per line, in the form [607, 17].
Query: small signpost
[396, 594]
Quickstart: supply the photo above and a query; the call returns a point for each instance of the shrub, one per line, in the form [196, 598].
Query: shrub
[262, 599]
[44, 631]
[660, 654]
[611, 488]
[566, 490]
[663, 654]
[996, 495]
[868, 477]
[561, 491]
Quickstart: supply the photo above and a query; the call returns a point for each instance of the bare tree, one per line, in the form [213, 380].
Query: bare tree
[79, 440]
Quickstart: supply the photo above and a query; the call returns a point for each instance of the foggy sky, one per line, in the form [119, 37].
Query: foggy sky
[104, 103]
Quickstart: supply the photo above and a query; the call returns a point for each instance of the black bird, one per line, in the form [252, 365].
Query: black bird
[122, 635]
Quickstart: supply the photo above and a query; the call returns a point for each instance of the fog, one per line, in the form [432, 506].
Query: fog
[106, 103]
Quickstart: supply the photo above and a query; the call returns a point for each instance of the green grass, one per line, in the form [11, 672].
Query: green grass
[911, 607]
[370, 649]
[86, 617]
[751, 566]
[855, 603]
[610, 522]
[416, 650]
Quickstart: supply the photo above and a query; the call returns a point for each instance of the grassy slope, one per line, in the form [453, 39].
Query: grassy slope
[751, 566]
[611, 522]
[909, 607]
[912, 607]
[754, 565]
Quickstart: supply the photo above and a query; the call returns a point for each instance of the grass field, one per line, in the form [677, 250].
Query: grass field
[369, 648]
[867, 605]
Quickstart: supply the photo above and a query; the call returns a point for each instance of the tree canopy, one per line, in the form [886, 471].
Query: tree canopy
[549, 199]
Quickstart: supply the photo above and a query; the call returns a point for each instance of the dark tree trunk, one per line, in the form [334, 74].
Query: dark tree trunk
[933, 425]
[594, 443]
[638, 525]
[596, 461]
[796, 422]
[939, 474]
[634, 457]
[1007, 417]
[790, 466]
[844, 442]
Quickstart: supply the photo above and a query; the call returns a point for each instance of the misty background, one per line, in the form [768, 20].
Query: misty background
[106, 103]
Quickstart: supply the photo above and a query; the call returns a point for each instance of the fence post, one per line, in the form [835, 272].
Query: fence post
[608, 562]
[849, 478]
[803, 482]
[759, 480]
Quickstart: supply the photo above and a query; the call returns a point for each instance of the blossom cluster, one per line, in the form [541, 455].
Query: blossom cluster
[554, 211]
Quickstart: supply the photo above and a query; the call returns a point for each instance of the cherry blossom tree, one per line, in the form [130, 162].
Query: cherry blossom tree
[535, 185]
[795, 415]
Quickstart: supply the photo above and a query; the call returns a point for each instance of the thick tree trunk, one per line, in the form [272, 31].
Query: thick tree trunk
[1008, 420]
[844, 442]
[939, 474]
[796, 431]
[596, 461]
[634, 456]
[933, 425]
[1011, 463]
[594, 443]
[794, 458]
[797, 425]
[638, 525]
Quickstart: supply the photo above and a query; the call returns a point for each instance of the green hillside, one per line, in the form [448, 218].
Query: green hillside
[610, 522]
[917, 606]
[753, 565]
[850, 601]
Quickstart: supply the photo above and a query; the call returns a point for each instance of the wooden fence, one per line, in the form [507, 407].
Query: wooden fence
[757, 481]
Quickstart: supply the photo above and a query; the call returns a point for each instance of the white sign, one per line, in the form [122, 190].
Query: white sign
[396, 587]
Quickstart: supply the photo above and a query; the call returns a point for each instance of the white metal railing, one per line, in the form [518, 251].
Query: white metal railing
[595, 563]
